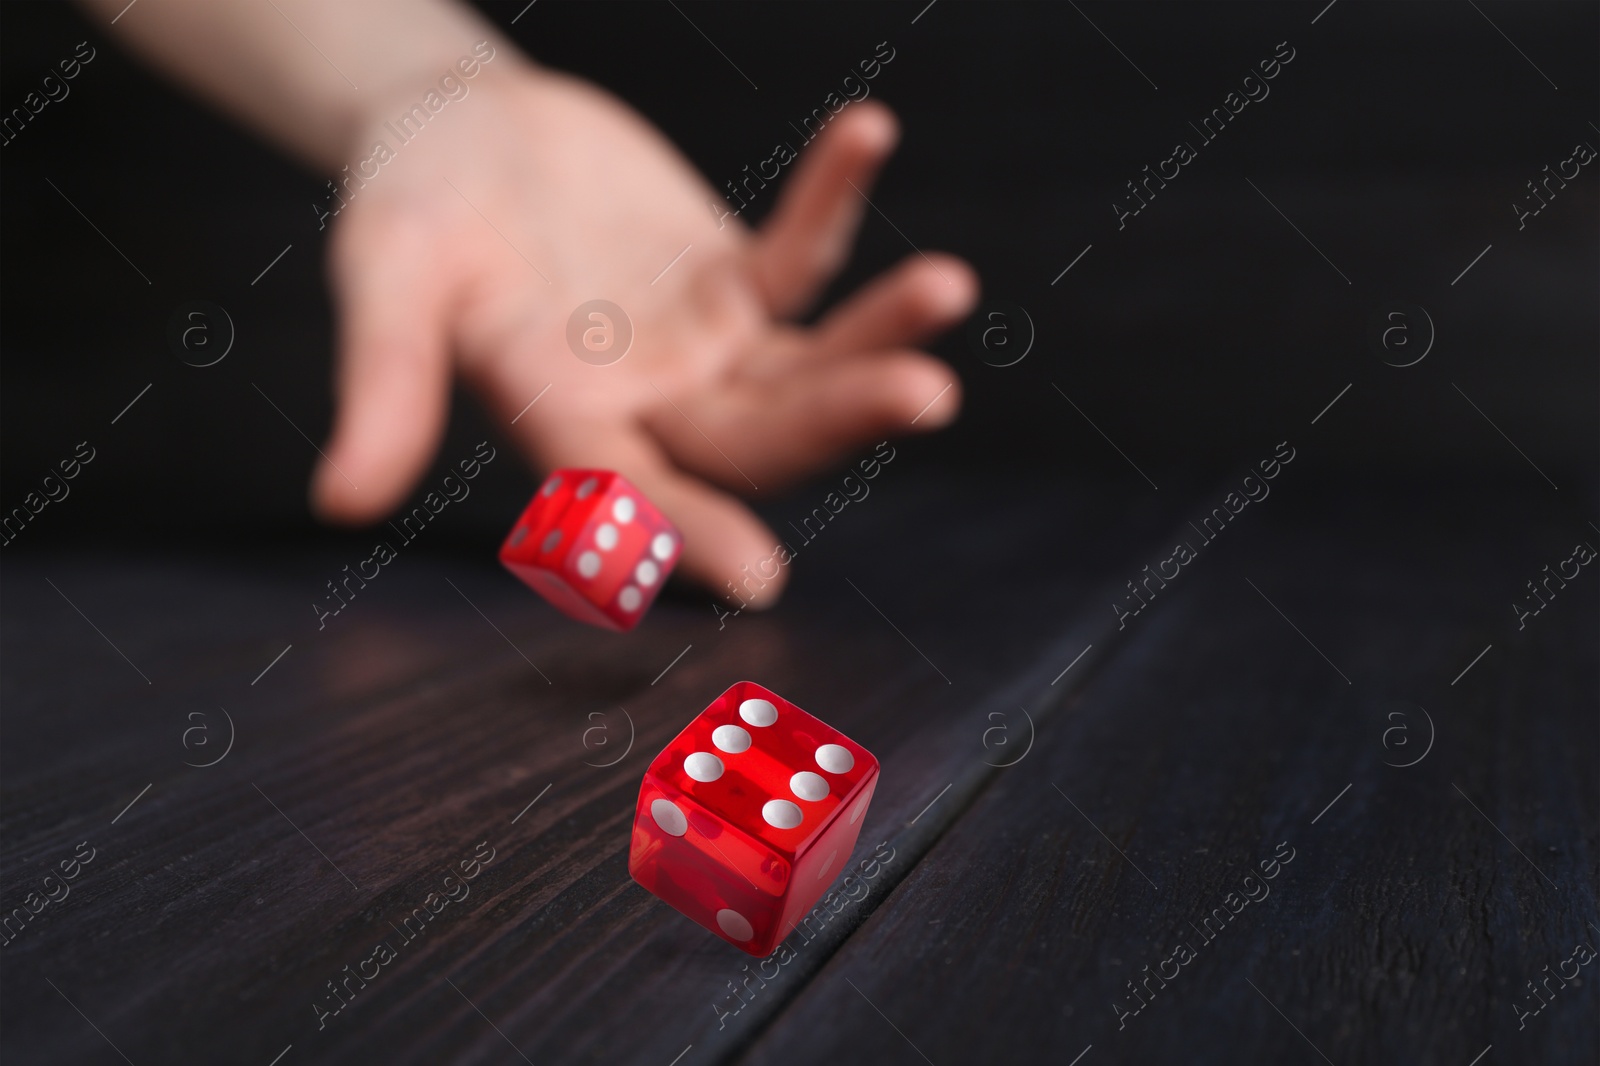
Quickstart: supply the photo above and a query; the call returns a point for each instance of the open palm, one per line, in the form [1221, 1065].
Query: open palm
[538, 193]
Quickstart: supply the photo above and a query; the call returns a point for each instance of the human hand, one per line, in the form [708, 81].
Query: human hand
[536, 193]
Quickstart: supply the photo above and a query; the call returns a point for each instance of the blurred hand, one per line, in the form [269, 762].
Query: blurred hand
[536, 193]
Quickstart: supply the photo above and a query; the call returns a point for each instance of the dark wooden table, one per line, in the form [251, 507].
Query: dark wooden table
[1322, 788]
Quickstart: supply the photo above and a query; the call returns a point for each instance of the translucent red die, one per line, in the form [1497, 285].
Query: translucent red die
[746, 817]
[591, 544]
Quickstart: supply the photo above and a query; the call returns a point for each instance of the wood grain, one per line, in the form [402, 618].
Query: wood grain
[381, 751]
[1406, 924]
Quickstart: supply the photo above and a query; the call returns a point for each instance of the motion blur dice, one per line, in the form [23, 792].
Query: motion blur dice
[748, 814]
[591, 544]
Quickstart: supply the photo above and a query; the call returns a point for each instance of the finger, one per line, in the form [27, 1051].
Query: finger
[776, 431]
[726, 548]
[917, 300]
[393, 383]
[808, 237]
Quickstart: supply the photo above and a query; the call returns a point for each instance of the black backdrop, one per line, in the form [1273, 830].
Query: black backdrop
[1397, 141]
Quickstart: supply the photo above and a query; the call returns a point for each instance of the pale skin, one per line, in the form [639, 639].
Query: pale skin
[533, 194]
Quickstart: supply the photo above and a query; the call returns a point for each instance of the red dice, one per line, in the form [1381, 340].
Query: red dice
[746, 817]
[592, 545]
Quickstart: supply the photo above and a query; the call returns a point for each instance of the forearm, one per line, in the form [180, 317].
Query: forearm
[308, 74]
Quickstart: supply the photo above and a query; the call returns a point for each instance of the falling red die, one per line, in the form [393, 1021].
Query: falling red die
[747, 816]
[591, 544]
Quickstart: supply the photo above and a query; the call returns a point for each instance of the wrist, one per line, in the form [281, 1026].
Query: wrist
[408, 99]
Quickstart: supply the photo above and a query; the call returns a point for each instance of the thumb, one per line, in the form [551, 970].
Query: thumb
[393, 381]
[807, 239]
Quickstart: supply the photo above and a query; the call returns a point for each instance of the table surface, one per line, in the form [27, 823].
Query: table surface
[1074, 830]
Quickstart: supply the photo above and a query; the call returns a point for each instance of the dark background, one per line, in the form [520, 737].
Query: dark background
[1261, 698]
[1396, 140]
